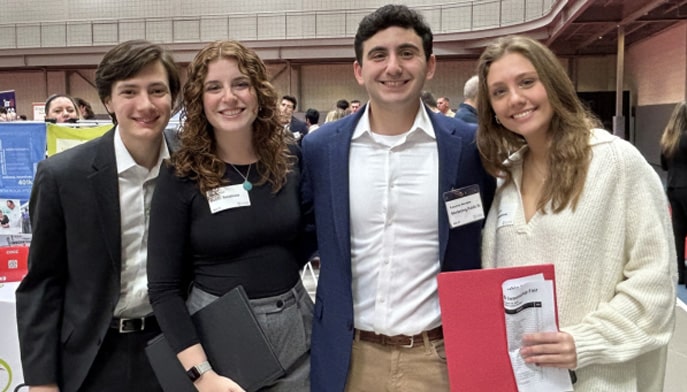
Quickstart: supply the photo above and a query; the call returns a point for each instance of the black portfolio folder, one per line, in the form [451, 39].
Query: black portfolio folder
[234, 342]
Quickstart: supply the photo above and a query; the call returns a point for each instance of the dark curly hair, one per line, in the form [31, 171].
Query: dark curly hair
[197, 156]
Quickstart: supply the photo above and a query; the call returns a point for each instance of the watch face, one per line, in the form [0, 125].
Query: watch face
[5, 376]
[193, 373]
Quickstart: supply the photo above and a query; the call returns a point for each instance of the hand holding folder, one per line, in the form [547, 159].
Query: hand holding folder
[474, 327]
[233, 340]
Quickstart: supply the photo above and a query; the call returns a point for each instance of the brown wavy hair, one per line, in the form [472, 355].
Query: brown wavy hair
[570, 127]
[197, 156]
[676, 127]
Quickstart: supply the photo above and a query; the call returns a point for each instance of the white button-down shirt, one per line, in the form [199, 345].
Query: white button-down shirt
[394, 228]
[136, 187]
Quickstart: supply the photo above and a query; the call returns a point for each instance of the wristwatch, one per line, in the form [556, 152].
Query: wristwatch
[195, 372]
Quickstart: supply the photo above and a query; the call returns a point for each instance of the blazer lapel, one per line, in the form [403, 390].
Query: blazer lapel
[105, 190]
[450, 147]
[339, 149]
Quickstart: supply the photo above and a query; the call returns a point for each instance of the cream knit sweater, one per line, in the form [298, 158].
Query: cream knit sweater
[614, 262]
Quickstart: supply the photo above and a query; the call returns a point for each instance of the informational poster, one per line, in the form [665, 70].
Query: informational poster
[9, 102]
[60, 137]
[22, 146]
[38, 111]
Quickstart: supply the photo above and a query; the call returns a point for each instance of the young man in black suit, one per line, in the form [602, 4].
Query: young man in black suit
[82, 310]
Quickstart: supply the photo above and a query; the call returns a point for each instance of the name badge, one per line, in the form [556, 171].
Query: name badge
[506, 215]
[464, 205]
[227, 197]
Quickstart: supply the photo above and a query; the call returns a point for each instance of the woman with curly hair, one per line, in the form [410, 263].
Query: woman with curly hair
[226, 212]
[578, 197]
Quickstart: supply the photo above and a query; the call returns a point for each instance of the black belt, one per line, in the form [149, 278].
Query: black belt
[128, 325]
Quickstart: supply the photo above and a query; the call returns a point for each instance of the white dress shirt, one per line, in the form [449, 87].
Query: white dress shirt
[394, 228]
[136, 186]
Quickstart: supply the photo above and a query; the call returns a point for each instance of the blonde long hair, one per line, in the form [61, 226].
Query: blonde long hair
[197, 157]
[677, 125]
[570, 126]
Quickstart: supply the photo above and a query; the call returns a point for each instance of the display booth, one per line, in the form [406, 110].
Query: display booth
[12, 270]
[22, 146]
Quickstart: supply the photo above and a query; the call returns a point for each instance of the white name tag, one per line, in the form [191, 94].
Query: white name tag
[227, 197]
[506, 215]
[464, 205]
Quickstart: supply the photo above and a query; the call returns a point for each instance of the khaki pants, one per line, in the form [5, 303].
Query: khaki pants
[375, 367]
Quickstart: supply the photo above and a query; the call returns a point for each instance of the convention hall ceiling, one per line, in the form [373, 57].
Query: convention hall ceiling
[573, 28]
[579, 27]
[594, 29]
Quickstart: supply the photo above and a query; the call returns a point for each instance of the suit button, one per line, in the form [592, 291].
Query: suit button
[280, 304]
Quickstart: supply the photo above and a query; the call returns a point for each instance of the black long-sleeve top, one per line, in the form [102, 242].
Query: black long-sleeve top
[255, 246]
[677, 165]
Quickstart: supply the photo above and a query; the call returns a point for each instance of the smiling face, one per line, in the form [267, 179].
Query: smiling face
[229, 100]
[394, 69]
[62, 110]
[518, 97]
[142, 104]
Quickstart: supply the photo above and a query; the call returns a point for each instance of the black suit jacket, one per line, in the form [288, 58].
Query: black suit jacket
[297, 125]
[66, 301]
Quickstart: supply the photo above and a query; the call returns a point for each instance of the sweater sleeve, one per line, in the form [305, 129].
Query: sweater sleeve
[169, 268]
[640, 316]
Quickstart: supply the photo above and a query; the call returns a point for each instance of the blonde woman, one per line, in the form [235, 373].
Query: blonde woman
[588, 202]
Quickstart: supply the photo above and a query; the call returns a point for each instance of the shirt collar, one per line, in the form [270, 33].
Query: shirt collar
[421, 123]
[124, 159]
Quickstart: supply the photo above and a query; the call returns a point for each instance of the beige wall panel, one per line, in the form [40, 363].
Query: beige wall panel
[656, 67]
[29, 87]
[595, 73]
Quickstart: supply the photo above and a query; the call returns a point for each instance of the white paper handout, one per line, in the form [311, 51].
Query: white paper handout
[529, 307]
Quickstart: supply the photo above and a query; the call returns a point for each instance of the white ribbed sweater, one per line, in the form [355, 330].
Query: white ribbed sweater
[614, 258]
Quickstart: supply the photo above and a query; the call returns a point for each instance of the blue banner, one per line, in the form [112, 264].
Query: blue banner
[22, 146]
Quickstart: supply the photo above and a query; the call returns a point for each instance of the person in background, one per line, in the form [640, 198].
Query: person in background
[341, 110]
[232, 145]
[586, 201]
[429, 100]
[674, 160]
[467, 110]
[355, 105]
[444, 106]
[61, 108]
[14, 213]
[83, 313]
[378, 179]
[312, 117]
[4, 221]
[85, 109]
[294, 126]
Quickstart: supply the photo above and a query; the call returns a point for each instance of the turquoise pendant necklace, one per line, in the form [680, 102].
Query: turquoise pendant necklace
[247, 185]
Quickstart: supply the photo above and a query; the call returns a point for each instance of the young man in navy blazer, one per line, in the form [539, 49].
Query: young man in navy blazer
[82, 310]
[381, 182]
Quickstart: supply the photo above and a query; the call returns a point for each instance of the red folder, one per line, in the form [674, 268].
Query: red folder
[474, 327]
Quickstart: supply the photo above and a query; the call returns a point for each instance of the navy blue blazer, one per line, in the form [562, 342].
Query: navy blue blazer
[325, 187]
